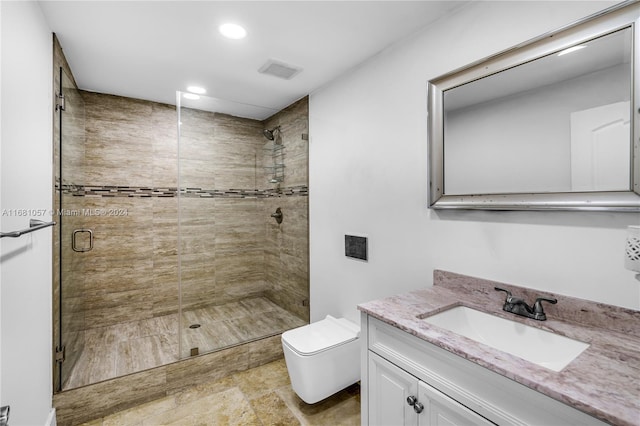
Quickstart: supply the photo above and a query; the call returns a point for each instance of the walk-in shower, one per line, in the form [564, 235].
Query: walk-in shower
[167, 248]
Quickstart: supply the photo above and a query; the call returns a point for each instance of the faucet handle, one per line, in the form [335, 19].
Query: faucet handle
[538, 310]
[502, 289]
[510, 298]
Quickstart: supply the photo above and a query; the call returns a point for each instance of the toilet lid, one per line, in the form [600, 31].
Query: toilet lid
[320, 336]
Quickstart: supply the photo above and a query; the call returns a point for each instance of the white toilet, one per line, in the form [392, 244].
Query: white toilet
[322, 358]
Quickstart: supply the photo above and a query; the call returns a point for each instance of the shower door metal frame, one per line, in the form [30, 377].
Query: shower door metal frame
[59, 350]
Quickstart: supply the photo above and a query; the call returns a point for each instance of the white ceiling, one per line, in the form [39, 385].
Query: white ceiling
[150, 49]
[601, 53]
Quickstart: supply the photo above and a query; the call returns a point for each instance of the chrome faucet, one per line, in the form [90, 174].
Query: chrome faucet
[517, 306]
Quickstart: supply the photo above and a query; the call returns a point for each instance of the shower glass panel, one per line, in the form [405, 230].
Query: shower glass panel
[229, 242]
[69, 323]
[118, 242]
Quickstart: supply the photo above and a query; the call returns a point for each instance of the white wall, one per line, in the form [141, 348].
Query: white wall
[0, 202]
[368, 176]
[26, 182]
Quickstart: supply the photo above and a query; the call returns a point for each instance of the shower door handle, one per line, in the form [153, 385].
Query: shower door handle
[74, 241]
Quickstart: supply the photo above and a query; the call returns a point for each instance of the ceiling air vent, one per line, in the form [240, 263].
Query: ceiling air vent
[279, 69]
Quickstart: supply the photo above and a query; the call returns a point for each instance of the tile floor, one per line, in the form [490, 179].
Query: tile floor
[260, 396]
[130, 347]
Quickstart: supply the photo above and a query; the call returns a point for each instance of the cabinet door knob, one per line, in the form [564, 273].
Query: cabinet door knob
[418, 407]
[411, 400]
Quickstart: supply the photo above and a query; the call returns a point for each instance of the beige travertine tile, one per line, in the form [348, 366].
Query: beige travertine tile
[120, 170]
[164, 121]
[116, 108]
[239, 266]
[260, 396]
[210, 336]
[197, 144]
[259, 381]
[230, 175]
[202, 390]
[136, 416]
[133, 346]
[189, 372]
[110, 275]
[193, 375]
[116, 307]
[272, 410]
[165, 172]
[197, 174]
[92, 366]
[341, 409]
[146, 352]
[249, 319]
[100, 399]
[228, 407]
[97, 422]
[265, 350]
[167, 324]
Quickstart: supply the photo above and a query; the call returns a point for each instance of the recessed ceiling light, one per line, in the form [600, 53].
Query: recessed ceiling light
[191, 96]
[232, 31]
[197, 90]
[571, 49]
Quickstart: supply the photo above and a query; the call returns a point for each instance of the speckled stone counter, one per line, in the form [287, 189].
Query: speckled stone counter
[603, 381]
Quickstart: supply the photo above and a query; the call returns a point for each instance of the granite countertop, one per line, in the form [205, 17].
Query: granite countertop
[603, 381]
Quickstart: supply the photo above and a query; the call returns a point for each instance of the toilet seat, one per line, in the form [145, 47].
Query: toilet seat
[320, 336]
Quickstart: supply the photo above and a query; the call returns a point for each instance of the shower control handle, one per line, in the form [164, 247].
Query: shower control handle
[277, 215]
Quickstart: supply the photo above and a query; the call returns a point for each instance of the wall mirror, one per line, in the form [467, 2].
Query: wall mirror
[550, 124]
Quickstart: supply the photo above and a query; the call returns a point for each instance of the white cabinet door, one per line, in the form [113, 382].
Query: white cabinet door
[440, 410]
[389, 388]
[601, 148]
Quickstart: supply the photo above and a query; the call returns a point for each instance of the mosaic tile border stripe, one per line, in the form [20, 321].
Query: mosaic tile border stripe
[165, 192]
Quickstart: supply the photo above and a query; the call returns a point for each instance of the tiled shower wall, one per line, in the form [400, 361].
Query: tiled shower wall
[230, 247]
[222, 231]
[287, 244]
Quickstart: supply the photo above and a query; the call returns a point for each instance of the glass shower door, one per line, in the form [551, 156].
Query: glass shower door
[118, 237]
[69, 178]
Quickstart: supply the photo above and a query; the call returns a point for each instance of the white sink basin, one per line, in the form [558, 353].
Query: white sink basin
[541, 347]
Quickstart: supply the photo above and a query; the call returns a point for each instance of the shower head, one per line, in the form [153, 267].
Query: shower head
[268, 134]
[271, 134]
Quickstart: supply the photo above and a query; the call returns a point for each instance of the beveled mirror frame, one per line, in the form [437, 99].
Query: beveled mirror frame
[623, 15]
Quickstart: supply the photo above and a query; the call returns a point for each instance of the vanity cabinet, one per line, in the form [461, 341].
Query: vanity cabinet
[399, 398]
[448, 389]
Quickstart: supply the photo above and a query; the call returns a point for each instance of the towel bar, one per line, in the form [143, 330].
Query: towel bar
[34, 225]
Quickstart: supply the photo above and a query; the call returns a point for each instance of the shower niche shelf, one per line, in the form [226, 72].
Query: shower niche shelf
[276, 170]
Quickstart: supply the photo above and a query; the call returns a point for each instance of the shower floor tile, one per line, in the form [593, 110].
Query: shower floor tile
[146, 352]
[215, 334]
[130, 347]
